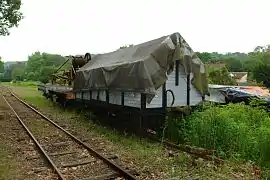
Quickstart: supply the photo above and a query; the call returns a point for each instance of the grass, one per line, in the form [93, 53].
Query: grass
[21, 83]
[147, 156]
[8, 166]
[30, 94]
[4, 163]
[238, 132]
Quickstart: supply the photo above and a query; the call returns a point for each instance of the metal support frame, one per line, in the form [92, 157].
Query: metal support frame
[90, 94]
[142, 111]
[82, 98]
[122, 98]
[107, 96]
[98, 94]
[188, 89]
[143, 101]
[177, 63]
[164, 101]
[164, 96]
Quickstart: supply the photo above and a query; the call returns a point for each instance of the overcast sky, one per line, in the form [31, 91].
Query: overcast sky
[73, 27]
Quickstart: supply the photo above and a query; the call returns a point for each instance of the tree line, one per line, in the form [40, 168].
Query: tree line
[256, 63]
[40, 66]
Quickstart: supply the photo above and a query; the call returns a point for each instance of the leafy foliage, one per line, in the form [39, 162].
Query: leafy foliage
[10, 15]
[261, 69]
[234, 130]
[8, 69]
[220, 76]
[18, 74]
[261, 73]
[205, 56]
[40, 66]
[256, 63]
[234, 65]
[1, 66]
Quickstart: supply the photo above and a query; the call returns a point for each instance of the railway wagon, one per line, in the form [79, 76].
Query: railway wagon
[136, 85]
[60, 88]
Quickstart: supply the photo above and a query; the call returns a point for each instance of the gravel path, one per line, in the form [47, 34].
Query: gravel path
[73, 160]
[21, 147]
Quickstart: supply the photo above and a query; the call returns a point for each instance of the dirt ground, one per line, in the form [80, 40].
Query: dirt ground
[150, 160]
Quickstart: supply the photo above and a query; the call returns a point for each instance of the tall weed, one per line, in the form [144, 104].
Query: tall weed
[234, 130]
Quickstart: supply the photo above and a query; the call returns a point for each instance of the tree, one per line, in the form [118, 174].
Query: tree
[10, 15]
[204, 56]
[1, 66]
[259, 49]
[40, 66]
[126, 46]
[8, 69]
[220, 76]
[45, 73]
[261, 73]
[18, 74]
[261, 69]
[234, 65]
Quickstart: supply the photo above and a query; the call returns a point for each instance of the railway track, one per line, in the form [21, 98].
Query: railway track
[69, 157]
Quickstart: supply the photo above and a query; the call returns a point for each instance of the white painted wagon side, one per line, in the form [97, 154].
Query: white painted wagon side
[133, 99]
[180, 92]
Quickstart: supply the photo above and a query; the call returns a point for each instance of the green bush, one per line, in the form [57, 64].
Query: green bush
[234, 130]
[25, 83]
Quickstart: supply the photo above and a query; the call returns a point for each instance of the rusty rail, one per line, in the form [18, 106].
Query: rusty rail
[207, 154]
[120, 170]
[60, 175]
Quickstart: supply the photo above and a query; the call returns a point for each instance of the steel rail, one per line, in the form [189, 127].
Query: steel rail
[116, 167]
[60, 175]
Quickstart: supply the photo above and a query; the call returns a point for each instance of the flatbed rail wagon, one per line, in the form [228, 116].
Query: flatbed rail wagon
[138, 82]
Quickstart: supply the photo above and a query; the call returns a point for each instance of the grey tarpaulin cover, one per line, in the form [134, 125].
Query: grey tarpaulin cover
[141, 68]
